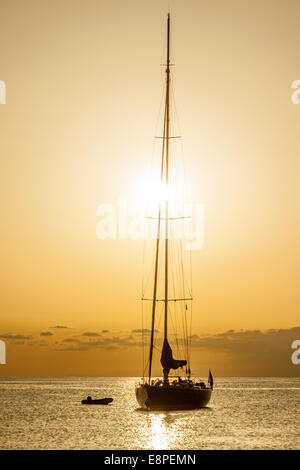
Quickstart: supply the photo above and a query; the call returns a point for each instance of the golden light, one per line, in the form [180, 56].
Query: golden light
[158, 437]
[148, 192]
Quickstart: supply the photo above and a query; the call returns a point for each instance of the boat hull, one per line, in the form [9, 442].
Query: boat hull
[100, 401]
[169, 398]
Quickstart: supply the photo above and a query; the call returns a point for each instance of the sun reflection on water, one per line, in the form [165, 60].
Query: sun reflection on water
[161, 431]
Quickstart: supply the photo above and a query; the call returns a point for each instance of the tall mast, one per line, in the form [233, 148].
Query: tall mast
[156, 260]
[167, 131]
[164, 159]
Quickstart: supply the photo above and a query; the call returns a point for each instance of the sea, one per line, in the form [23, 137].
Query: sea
[244, 413]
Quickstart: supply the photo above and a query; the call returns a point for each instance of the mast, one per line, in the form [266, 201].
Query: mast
[165, 159]
[156, 264]
[167, 131]
[167, 360]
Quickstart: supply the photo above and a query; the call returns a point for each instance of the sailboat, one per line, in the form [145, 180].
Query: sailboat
[168, 392]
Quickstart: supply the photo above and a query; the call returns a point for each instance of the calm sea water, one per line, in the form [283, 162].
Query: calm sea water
[244, 413]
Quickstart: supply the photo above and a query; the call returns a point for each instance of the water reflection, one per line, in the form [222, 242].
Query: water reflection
[167, 430]
[161, 430]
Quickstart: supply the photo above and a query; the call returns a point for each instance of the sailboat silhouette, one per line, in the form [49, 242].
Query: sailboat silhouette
[164, 394]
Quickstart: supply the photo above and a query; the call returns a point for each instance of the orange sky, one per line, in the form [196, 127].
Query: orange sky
[84, 85]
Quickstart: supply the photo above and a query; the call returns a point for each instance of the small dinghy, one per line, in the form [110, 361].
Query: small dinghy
[100, 401]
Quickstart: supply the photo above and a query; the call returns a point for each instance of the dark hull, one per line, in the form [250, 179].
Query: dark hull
[171, 398]
[101, 401]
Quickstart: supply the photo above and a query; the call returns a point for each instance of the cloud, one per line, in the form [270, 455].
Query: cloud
[232, 352]
[59, 327]
[107, 342]
[38, 342]
[253, 351]
[90, 333]
[105, 331]
[15, 337]
[144, 331]
[246, 341]
[72, 348]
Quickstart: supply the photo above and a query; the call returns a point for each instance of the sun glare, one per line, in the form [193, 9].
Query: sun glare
[148, 193]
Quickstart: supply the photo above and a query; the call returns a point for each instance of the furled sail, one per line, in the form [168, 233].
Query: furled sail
[167, 360]
[210, 380]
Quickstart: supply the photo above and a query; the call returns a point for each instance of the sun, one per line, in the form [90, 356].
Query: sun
[148, 193]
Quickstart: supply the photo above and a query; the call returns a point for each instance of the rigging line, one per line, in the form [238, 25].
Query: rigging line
[186, 331]
[175, 329]
[176, 254]
[151, 167]
[176, 119]
[158, 326]
[143, 348]
[186, 338]
[145, 370]
[151, 171]
[181, 342]
[174, 322]
[181, 312]
[174, 107]
[143, 266]
[172, 263]
[190, 335]
[181, 272]
[157, 125]
[159, 113]
[150, 272]
[177, 282]
[183, 285]
[191, 314]
[156, 333]
[173, 278]
[183, 331]
[146, 278]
